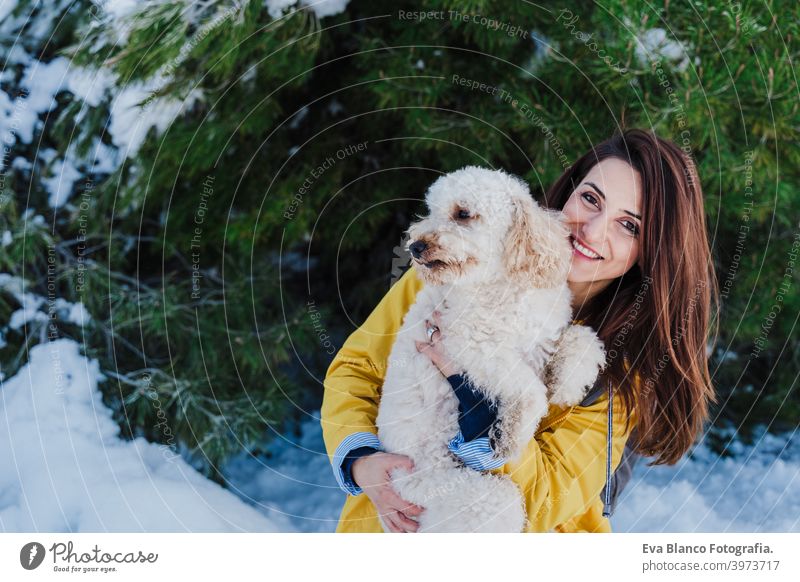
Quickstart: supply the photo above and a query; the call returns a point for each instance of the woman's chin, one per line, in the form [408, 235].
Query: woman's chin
[580, 274]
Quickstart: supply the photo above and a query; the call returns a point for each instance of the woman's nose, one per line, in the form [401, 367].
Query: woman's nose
[593, 232]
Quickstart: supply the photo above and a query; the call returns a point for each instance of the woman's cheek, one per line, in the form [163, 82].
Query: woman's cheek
[628, 257]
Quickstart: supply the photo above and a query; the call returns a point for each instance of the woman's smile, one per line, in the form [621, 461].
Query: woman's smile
[582, 251]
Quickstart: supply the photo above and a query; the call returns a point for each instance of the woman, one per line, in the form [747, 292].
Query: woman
[641, 275]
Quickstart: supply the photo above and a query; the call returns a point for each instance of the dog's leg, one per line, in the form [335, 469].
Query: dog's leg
[574, 367]
[520, 408]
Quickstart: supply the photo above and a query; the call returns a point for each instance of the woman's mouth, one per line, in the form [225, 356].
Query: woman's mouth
[582, 251]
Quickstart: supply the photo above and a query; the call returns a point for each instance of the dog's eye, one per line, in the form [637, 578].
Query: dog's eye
[462, 214]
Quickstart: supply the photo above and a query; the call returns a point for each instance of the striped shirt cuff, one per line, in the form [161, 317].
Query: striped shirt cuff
[476, 454]
[351, 442]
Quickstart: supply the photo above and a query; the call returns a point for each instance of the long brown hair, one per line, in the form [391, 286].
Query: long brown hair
[655, 319]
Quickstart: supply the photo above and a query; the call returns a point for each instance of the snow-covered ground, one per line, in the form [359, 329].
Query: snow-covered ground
[63, 467]
[295, 485]
[755, 490]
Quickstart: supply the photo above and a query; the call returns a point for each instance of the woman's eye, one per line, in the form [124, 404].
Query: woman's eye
[631, 226]
[590, 199]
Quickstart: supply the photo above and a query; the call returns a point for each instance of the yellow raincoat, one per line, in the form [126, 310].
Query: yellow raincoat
[560, 474]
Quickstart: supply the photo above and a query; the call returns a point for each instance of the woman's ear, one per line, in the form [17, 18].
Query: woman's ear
[536, 247]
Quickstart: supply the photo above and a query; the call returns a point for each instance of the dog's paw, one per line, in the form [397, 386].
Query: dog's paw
[575, 366]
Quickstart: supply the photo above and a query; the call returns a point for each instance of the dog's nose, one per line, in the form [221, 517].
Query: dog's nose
[417, 248]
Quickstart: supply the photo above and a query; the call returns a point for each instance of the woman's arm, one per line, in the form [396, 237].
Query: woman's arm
[475, 419]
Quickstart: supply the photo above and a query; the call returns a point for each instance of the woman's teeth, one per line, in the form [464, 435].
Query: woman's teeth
[584, 251]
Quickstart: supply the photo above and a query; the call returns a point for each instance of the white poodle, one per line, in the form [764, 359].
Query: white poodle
[494, 264]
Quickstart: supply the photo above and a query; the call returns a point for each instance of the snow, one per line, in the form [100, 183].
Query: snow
[60, 185]
[119, 12]
[73, 312]
[19, 117]
[65, 172]
[17, 120]
[6, 6]
[24, 316]
[275, 8]
[295, 483]
[105, 158]
[321, 8]
[78, 314]
[654, 45]
[63, 465]
[90, 85]
[120, 8]
[43, 81]
[752, 491]
[65, 469]
[134, 111]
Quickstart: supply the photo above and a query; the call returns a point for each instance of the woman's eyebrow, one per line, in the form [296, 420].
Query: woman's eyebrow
[599, 191]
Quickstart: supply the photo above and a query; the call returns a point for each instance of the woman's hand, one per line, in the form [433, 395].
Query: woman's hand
[434, 349]
[372, 474]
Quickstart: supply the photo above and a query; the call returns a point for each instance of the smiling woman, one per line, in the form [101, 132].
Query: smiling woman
[640, 275]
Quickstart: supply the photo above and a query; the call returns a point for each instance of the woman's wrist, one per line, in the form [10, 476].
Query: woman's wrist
[356, 466]
[348, 467]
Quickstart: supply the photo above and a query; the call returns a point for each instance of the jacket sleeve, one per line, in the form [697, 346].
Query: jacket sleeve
[475, 417]
[563, 470]
[353, 382]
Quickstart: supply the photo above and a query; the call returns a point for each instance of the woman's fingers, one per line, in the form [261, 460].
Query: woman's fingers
[390, 496]
[396, 502]
[401, 462]
[411, 510]
[406, 524]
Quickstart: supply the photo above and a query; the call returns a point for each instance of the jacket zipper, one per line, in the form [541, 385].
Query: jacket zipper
[556, 420]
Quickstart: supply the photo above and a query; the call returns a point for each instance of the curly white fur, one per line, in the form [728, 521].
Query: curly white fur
[495, 266]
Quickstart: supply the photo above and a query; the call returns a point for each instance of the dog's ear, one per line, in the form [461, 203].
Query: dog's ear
[536, 247]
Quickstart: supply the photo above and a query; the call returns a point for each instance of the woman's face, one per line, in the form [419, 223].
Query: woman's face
[604, 219]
